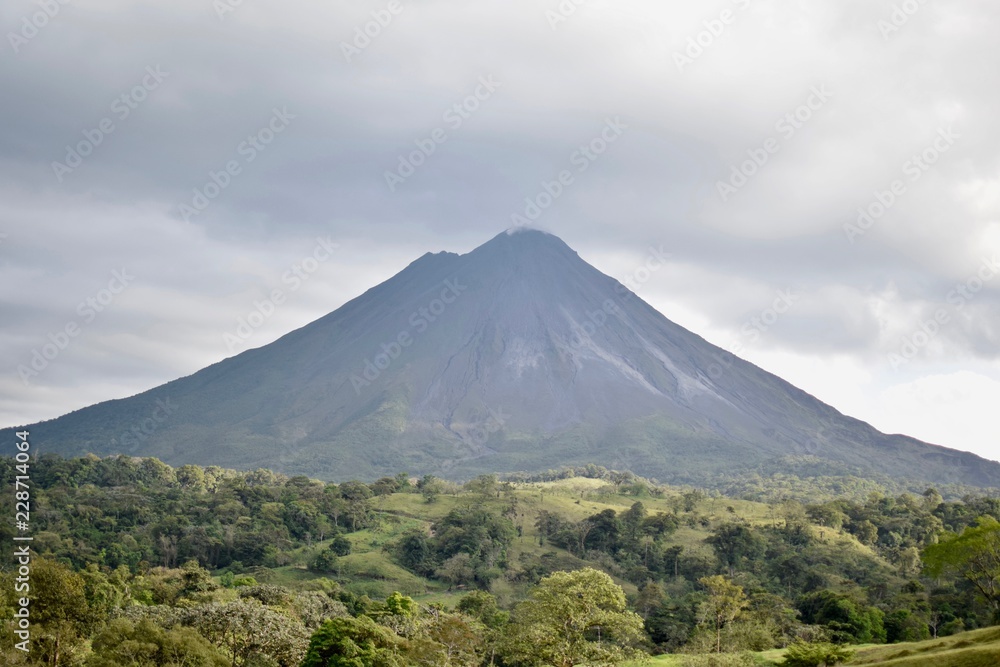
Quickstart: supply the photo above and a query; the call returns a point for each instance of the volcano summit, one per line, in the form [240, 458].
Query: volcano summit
[517, 356]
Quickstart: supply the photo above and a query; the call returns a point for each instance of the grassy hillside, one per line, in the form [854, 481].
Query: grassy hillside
[369, 570]
[978, 648]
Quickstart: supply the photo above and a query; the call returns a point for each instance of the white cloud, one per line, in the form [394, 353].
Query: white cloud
[784, 229]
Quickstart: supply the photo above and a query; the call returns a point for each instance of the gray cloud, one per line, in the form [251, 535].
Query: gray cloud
[890, 92]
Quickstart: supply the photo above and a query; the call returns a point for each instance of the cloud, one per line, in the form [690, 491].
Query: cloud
[887, 95]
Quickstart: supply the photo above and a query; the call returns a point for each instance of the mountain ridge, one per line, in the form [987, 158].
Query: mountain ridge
[515, 356]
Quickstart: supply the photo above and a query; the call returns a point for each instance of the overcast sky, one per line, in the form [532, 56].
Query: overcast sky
[164, 166]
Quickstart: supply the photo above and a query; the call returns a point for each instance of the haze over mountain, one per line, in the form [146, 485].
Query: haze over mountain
[517, 356]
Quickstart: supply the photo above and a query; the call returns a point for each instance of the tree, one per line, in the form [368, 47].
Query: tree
[482, 606]
[196, 579]
[604, 533]
[726, 601]
[314, 607]
[324, 561]
[457, 570]
[357, 495]
[191, 477]
[801, 654]
[448, 640]
[413, 550]
[246, 630]
[632, 521]
[340, 546]
[573, 618]
[975, 554]
[736, 543]
[485, 486]
[430, 488]
[145, 645]
[850, 620]
[354, 642]
[58, 609]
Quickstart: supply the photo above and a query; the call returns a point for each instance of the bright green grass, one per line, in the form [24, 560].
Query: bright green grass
[978, 648]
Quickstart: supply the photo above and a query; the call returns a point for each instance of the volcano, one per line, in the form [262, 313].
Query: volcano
[517, 356]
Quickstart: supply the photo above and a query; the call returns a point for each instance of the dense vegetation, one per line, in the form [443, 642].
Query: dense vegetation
[138, 563]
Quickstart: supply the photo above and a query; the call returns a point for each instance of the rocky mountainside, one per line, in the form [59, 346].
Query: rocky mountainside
[516, 356]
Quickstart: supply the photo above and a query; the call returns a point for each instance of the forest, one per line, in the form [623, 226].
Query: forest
[133, 562]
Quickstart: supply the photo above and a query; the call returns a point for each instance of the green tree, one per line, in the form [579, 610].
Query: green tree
[726, 601]
[248, 631]
[145, 645]
[340, 546]
[315, 607]
[59, 610]
[572, 618]
[736, 544]
[413, 551]
[448, 640]
[456, 571]
[801, 654]
[354, 642]
[430, 488]
[849, 619]
[324, 561]
[191, 477]
[975, 555]
[482, 606]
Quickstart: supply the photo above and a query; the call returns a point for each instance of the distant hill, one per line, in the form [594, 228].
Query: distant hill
[517, 356]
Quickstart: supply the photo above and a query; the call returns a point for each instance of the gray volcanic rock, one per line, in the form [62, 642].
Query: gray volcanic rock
[516, 356]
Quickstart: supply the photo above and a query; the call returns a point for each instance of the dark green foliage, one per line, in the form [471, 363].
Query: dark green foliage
[736, 544]
[815, 655]
[469, 546]
[848, 620]
[123, 511]
[324, 562]
[353, 642]
[482, 606]
[340, 546]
